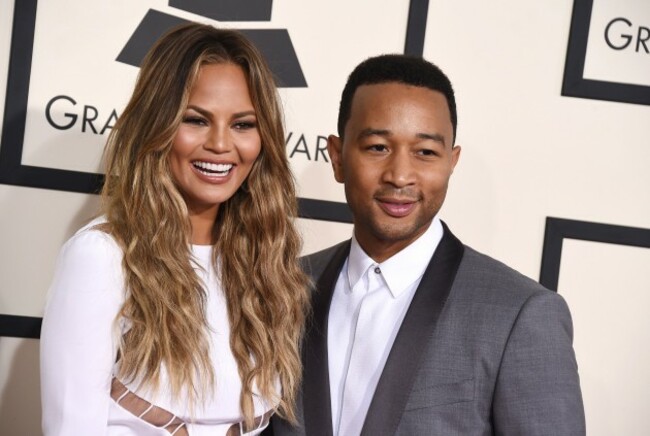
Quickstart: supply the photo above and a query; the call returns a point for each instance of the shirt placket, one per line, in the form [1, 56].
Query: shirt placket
[364, 353]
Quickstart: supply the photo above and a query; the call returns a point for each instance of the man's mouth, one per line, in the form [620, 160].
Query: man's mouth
[396, 207]
[212, 169]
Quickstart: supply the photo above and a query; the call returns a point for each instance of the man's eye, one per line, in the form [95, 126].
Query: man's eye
[378, 147]
[427, 152]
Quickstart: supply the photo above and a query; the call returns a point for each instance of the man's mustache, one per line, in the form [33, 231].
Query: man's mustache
[407, 195]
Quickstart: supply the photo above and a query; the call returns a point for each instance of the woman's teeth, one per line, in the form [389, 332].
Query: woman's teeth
[212, 169]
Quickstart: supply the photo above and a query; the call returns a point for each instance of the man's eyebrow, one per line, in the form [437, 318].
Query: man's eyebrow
[437, 137]
[373, 132]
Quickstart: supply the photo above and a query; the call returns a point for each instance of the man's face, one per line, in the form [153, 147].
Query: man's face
[395, 160]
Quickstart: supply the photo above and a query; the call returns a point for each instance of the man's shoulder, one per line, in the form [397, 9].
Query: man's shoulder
[314, 264]
[487, 278]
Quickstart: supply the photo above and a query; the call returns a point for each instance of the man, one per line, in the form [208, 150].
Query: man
[412, 332]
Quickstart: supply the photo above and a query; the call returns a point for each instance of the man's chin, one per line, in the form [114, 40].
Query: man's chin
[396, 233]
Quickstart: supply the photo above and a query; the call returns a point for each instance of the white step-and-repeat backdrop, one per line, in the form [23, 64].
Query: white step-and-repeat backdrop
[554, 120]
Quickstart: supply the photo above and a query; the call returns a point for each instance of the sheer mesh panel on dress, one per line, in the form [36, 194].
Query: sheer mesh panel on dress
[146, 411]
[162, 419]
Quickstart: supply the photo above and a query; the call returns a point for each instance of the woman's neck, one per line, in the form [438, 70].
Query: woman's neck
[202, 223]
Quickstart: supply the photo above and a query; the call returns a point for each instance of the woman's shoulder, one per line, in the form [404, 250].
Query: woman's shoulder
[97, 224]
[90, 261]
[92, 240]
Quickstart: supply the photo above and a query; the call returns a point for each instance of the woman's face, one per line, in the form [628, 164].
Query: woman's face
[218, 140]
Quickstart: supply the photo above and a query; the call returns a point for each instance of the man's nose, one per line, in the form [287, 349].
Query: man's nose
[399, 169]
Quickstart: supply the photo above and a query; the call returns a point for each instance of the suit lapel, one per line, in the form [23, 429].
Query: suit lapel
[316, 387]
[398, 376]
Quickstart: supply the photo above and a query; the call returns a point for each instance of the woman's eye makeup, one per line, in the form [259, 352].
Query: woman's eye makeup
[194, 119]
[245, 124]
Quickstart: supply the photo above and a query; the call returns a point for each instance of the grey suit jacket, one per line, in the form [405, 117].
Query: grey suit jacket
[482, 350]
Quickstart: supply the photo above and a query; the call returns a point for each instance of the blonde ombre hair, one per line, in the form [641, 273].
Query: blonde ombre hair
[256, 244]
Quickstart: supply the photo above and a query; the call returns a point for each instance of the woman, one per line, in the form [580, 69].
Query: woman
[180, 310]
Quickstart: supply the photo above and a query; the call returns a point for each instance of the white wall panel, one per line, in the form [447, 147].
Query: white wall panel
[528, 153]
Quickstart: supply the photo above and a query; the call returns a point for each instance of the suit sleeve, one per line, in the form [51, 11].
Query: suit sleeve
[78, 347]
[538, 389]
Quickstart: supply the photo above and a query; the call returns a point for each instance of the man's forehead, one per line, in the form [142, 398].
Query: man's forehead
[387, 92]
[388, 99]
[395, 108]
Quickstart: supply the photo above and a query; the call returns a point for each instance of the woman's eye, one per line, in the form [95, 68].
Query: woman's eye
[194, 120]
[245, 125]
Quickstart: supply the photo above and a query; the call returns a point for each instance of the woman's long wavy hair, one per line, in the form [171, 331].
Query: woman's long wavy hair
[256, 243]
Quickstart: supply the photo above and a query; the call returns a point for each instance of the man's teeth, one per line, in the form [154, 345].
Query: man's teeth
[210, 168]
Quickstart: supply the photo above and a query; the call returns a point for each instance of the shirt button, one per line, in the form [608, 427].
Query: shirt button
[377, 270]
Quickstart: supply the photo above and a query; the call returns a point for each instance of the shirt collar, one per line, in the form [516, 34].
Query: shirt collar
[404, 267]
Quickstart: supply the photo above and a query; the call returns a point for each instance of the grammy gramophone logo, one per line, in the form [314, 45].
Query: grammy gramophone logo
[275, 44]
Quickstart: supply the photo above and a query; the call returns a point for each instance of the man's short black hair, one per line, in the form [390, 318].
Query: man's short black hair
[408, 70]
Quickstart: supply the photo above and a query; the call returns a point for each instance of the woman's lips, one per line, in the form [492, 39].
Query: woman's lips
[214, 178]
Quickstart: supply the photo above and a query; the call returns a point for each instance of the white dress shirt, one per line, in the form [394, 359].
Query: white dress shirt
[369, 303]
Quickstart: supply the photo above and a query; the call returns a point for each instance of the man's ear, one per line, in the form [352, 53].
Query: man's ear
[335, 150]
[455, 155]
